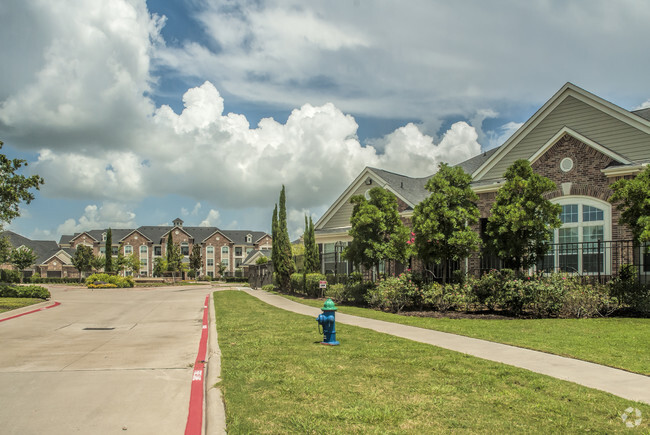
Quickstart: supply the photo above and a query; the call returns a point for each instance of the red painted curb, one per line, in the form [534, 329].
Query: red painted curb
[56, 304]
[195, 416]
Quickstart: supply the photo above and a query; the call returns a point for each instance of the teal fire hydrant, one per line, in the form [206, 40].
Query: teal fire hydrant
[327, 321]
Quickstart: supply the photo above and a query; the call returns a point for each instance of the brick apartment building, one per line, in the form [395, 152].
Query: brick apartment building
[580, 141]
[227, 247]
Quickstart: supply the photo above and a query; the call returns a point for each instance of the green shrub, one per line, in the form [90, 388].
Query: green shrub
[268, 288]
[312, 284]
[356, 289]
[24, 291]
[336, 292]
[207, 278]
[9, 275]
[36, 279]
[393, 293]
[488, 288]
[297, 282]
[104, 278]
[447, 297]
[582, 301]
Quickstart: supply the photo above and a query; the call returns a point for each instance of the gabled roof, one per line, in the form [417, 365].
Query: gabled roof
[86, 233]
[43, 249]
[569, 90]
[239, 236]
[61, 254]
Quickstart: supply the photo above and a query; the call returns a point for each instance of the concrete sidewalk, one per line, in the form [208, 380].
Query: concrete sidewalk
[619, 382]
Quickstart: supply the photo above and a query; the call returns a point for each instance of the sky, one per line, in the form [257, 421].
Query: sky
[138, 112]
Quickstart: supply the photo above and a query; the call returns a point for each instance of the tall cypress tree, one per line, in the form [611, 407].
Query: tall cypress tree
[284, 266]
[108, 265]
[274, 235]
[314, 247]
[311, 251]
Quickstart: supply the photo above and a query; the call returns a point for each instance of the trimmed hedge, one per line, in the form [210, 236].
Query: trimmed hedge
[99, 280]
[9, 275]
[35, 279]
[24, 291]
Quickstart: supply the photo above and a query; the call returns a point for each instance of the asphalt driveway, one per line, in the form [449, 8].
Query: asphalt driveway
[103, 362]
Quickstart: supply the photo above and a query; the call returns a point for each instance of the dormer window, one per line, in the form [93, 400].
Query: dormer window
[249, 238]
[103, 237]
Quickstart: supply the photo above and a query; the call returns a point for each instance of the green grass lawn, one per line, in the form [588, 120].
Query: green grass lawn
[616, 342]
[8, 304]
[277, 378]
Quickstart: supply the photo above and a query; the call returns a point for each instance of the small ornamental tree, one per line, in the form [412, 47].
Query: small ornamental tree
[378, 233]
[521, 218]
[120, 261]
[196, 260]
[108, 266]
[132, 264]
[83, 259]
[22, 258]
[97, 262]
[159, 266]
[174, 259]
[632, 198]
[442, 222]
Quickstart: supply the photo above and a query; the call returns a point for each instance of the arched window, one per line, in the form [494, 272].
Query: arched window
[578, 245]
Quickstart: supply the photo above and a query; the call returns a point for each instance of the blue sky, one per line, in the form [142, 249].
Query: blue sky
[136, 112]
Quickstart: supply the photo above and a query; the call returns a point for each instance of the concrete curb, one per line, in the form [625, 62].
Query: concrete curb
[215, 410]
[26, 309]
[631, 386]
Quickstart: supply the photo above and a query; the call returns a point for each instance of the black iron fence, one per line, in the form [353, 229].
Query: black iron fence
[601, 260]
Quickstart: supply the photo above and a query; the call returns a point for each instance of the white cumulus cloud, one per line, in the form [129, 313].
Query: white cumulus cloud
[107, 215]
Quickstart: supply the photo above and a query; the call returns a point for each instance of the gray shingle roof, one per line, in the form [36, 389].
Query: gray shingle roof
[643, 113]
[411, 189]
[43, 249]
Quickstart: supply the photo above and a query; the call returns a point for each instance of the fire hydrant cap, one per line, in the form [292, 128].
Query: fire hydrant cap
[329, 306]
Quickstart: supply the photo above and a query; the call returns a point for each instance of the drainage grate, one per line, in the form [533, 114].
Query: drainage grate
[98, 329]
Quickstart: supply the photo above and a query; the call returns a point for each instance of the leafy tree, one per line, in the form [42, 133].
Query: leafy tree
[83, 259]
[632, 198]
[521, 218]
[274, 234]
[312, 260]
[120, 261]
[442, 222]
[174, 257]
[22, 258]
[223, 268]
[5, 250]
[14, 188]
[196, 260]
[159, 266]
[108, 266]
[97, 262]
[132, 264]
[284, 265]
[378, 233]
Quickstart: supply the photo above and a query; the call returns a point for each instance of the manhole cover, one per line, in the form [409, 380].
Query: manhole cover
[98, 329]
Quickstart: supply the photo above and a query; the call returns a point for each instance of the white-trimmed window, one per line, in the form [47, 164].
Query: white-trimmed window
[128, 250]
[209, 259]
[225, 256]
[249, 238]
[185, 248]
[143, 256]
[578, 245]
